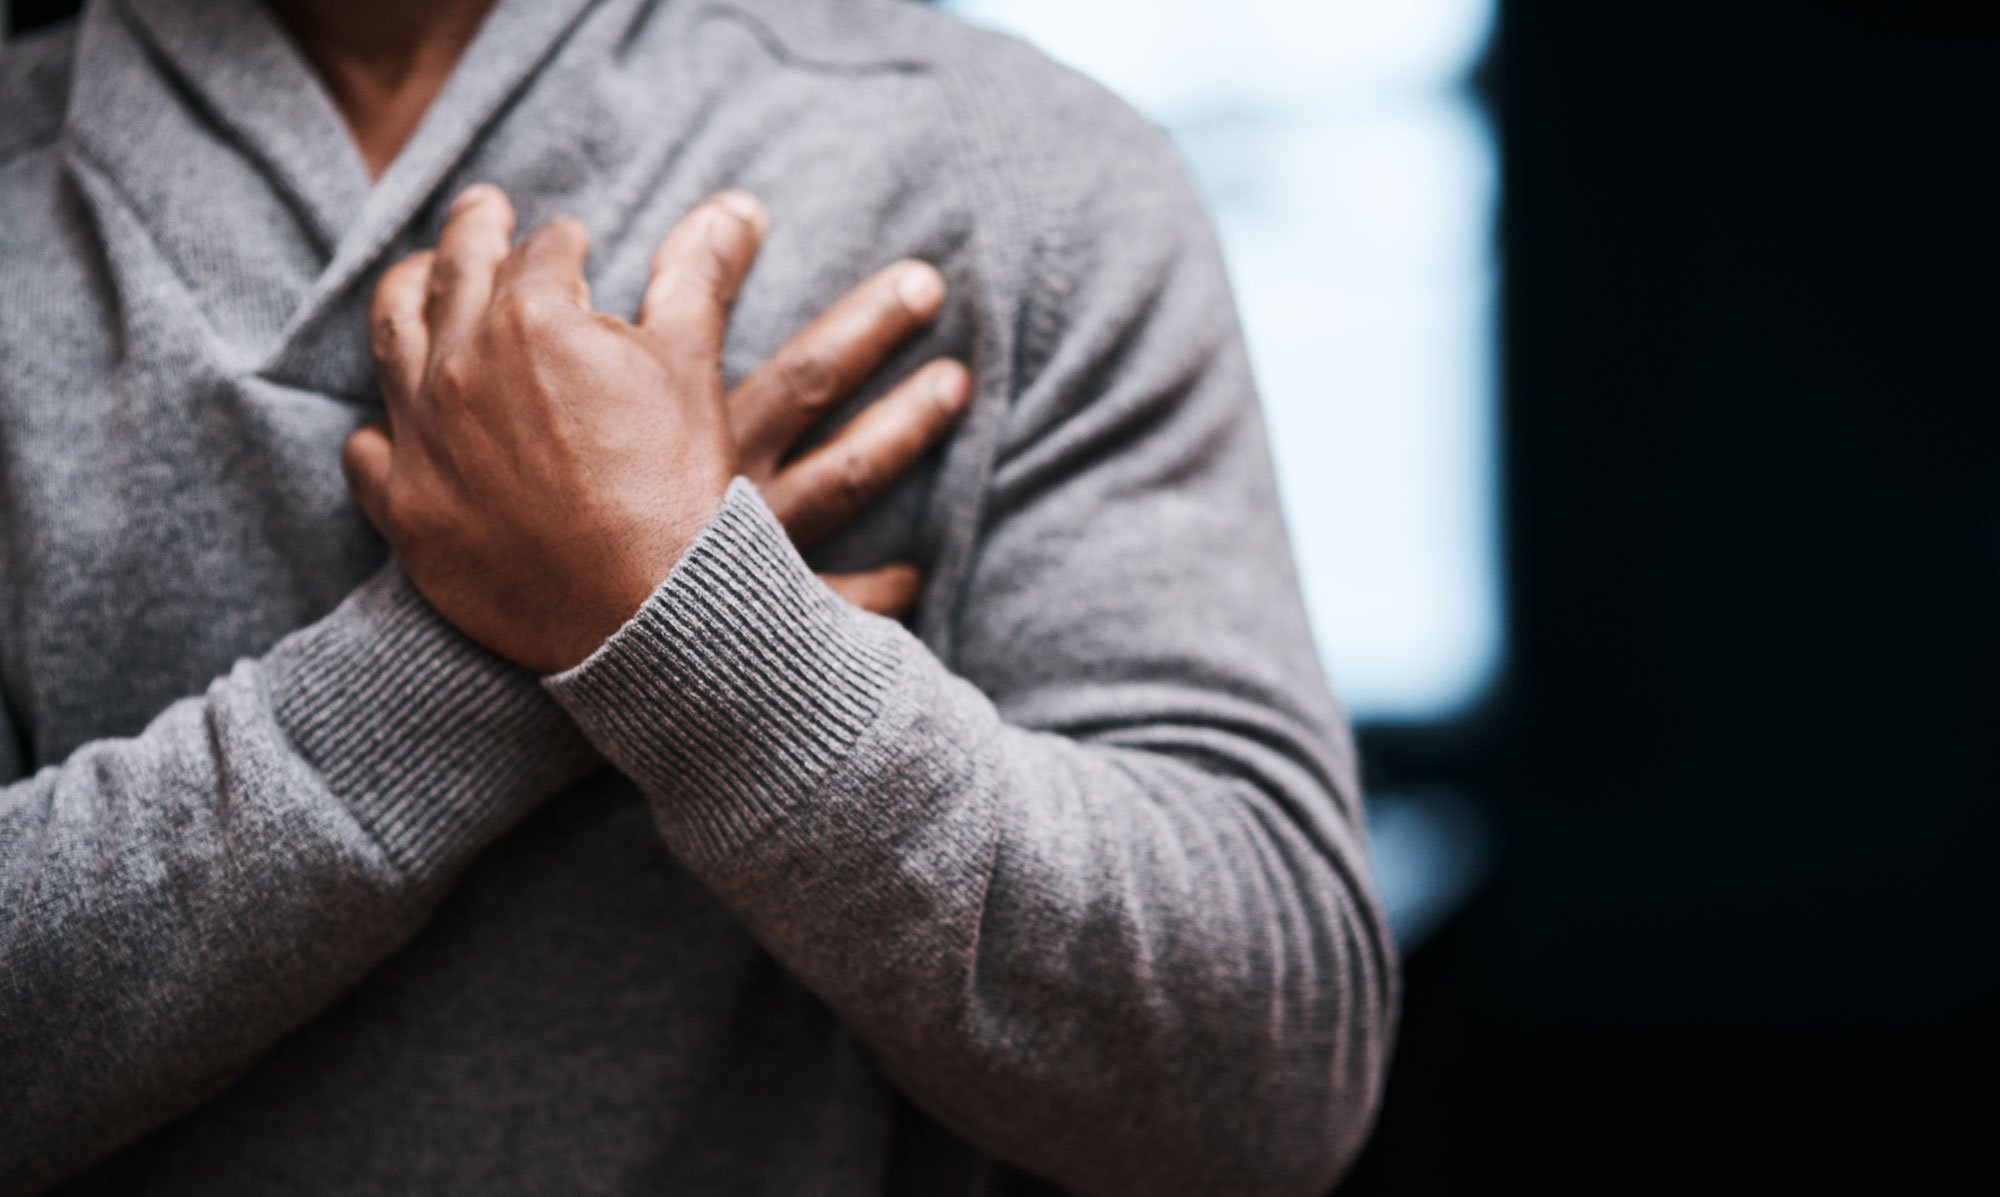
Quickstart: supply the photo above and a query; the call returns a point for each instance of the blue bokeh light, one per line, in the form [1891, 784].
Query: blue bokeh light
[1354, 180]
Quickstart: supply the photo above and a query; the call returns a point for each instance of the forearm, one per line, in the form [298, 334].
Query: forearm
[1106, 964]
[173, 903]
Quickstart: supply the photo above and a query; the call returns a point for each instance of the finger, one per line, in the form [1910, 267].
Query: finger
[891, 591]
[550, 262]
[476, 239]
[822, 490]
[365, 461]
[397, 335]
[698, 271]
[789, 393]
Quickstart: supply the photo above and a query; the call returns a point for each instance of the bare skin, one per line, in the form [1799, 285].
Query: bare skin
[545, 465]
[385, 61]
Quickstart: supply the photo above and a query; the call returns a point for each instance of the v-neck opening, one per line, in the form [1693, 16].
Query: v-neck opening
[511, 44]
[243, 67]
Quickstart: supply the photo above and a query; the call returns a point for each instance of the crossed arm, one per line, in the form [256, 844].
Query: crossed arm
[158, 894]
[1096, 899]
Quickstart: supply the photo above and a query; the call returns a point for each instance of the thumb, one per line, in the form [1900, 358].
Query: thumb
[365, 461]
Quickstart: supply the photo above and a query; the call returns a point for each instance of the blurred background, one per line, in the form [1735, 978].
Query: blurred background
[1623, 365]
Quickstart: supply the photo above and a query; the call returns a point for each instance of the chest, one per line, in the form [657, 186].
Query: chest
[173, 499]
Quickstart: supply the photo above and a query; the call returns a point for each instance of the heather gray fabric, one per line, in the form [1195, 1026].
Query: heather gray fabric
[301, 892]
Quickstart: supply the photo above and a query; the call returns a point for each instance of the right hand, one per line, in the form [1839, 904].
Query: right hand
[489, 348]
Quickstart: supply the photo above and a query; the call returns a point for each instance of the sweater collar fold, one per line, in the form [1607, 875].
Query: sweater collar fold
[234, 62]
[235, 67]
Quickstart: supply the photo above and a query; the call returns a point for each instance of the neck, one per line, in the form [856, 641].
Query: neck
[383, 61]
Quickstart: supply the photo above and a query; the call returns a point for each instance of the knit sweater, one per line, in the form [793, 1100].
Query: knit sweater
[303, 892]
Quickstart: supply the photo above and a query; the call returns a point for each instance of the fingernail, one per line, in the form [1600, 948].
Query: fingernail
[746, 208]
[921, 288]
[951, 386]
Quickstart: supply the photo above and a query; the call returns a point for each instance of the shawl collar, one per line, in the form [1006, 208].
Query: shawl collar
[147, 70]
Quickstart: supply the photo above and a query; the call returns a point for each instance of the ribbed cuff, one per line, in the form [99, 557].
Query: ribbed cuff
[737, 689]
[437, 745]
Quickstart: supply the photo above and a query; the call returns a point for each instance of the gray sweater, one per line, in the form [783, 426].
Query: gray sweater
[301, 892]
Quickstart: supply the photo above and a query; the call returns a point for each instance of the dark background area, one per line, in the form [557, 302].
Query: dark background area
[1742, 764]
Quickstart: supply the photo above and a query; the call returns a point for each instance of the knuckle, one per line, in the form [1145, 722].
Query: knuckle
[808, 379]
[445, 272]
[853, 482]
[384, 336]
[523, 313]
[456, 376]
[442, 285]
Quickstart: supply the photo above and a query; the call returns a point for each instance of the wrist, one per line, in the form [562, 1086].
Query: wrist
[616, 584]
[739, 686]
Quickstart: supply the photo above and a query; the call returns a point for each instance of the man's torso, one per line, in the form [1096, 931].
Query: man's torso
[177, 374]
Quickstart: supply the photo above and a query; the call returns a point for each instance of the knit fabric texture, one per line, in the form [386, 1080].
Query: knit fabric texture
[1062, 886]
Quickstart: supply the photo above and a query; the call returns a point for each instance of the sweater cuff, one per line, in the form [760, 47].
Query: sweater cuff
[739, 686]
[435, 744]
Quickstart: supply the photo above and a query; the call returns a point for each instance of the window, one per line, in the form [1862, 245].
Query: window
[1353, 178]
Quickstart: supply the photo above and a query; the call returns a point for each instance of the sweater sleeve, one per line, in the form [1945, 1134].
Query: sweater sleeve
[173, 903]
[1098, 900]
